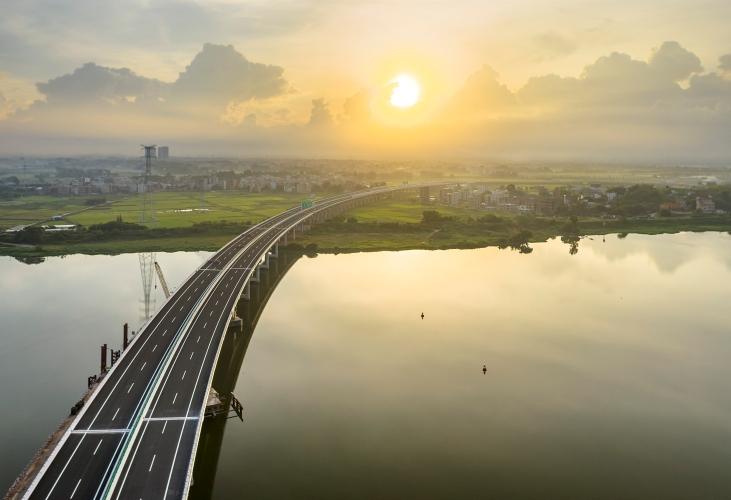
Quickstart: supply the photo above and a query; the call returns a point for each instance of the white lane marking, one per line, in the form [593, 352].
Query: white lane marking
[64, 468]
[184, 372]
[176, 397]
[164, 426]
[130, 387]
[97, 446]
[153, 349]
[76, 488]
[205, 324]
[155, 405]
[216, 303]
[163, 333]
[99, 431]
[152, 463]
[115, 414]
[191, 356]
[143, 365]
[210, 313]
[198, 339]
[174, 317]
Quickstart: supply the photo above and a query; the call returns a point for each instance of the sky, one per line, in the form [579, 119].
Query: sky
[621, 80]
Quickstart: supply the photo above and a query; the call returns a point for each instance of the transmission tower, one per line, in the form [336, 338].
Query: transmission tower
[147, 215]
[147, 270]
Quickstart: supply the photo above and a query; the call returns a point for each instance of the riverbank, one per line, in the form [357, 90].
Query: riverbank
[347, 234]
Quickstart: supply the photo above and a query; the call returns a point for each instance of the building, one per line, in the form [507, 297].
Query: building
[163, 152]
[705, 204]
[424, 195]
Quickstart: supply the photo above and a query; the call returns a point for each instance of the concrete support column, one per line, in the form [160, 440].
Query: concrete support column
[275, 250]
[246, 294]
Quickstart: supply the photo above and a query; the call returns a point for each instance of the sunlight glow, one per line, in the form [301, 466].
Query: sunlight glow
[406, 91]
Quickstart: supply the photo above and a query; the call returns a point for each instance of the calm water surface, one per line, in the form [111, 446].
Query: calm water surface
[607, 370]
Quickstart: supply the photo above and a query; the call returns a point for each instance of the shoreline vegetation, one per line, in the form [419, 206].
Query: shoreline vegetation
[435, 230]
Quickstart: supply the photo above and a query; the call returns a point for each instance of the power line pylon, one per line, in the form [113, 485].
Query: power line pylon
[147, 215]
[147, 271]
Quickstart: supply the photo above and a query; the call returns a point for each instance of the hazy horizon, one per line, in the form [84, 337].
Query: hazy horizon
[616, 82]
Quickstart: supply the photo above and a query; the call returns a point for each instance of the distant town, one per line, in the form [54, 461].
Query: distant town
[510, 189]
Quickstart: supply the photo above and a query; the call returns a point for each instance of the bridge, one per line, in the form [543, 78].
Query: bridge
[137, 435]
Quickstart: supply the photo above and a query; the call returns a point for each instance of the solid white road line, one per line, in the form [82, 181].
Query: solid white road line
[99, 431]
[161, 419]
[50, 492]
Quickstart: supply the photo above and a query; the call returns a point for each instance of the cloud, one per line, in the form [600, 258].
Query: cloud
[217, 75]
[674, 62]
[320, 116]
[220, 73]
[482, 95]
[616, 81]
[92, 83]
[356, 108]
[4, 107]
[724, 63]
[552, 45]
[618, 107]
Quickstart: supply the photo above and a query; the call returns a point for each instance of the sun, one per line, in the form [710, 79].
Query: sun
[405, 92]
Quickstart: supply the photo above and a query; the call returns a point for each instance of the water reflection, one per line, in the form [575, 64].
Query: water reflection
[606, 370]
[54, 317]
[229, 365]
[606, 376]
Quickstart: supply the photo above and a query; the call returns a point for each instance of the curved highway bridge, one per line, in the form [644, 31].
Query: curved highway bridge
[137, 435]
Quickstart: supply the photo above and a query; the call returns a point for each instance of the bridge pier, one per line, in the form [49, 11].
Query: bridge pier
[274, 252]
[246, 294]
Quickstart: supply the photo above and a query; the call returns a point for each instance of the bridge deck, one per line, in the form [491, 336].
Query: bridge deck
[137, 435]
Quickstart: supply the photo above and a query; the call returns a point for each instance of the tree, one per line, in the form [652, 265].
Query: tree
[29, 235]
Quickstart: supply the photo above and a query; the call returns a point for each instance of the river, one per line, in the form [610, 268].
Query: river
[606, 371]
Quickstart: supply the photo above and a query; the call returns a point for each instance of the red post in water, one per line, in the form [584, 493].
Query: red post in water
[104, 358]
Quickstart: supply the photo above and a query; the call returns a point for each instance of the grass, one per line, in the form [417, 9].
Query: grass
[30, 209]
[405, 211]
[385, 225]
[171, 209]
[182, 209]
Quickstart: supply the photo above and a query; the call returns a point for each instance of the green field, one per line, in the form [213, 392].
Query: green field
[405, 211]
[385, 225]
[178, 209]
[30, 209]
[183, 209]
